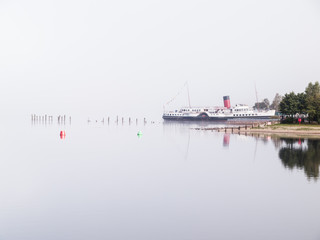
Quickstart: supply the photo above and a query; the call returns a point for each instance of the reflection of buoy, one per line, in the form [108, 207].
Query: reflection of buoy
[139, 134]
[62, 134]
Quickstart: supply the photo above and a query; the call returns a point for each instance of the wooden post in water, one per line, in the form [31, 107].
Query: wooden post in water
[136, 121]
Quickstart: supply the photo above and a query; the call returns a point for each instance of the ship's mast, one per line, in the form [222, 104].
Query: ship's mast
[188, 95]
[172, 99]
[255, 86]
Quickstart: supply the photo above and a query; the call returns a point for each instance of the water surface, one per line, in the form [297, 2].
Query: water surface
[173, 182]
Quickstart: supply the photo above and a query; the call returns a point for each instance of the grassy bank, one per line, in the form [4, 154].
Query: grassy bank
[305, 129]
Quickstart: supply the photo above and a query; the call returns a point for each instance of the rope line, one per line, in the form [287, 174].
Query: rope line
[172, 99]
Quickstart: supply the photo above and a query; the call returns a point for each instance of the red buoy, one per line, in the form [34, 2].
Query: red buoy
[62, 134]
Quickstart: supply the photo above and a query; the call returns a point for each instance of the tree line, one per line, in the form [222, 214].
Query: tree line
[305, 103]
[291, 104]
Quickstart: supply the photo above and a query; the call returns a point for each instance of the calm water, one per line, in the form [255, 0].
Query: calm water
[104, 182]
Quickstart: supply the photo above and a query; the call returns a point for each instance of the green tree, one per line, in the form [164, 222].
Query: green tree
[289, 104]
[312, 101]
[302, 107]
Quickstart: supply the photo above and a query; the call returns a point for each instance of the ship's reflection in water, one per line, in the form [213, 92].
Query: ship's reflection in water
[294, 152]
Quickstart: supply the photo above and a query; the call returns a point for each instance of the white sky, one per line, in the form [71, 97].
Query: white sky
[131, 57]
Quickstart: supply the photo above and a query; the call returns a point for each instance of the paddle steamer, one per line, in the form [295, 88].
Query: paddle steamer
[218, 113]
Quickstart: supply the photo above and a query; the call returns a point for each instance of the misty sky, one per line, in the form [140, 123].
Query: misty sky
[131, 57]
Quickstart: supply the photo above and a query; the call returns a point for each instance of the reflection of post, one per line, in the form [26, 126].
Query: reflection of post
[226, 140]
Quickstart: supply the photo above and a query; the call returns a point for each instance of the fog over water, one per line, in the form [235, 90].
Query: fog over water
[123, 57]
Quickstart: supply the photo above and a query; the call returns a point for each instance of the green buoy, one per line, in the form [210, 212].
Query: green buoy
[139, 134]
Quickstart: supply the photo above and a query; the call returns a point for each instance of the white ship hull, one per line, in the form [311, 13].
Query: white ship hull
[216, 113]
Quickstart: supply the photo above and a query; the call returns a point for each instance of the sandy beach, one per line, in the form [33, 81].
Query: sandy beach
[286, 129]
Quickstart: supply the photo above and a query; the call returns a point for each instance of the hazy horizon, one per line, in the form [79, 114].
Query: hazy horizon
[130, 58]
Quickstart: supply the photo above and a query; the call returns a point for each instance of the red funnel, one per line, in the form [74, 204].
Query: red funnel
[226, 101]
